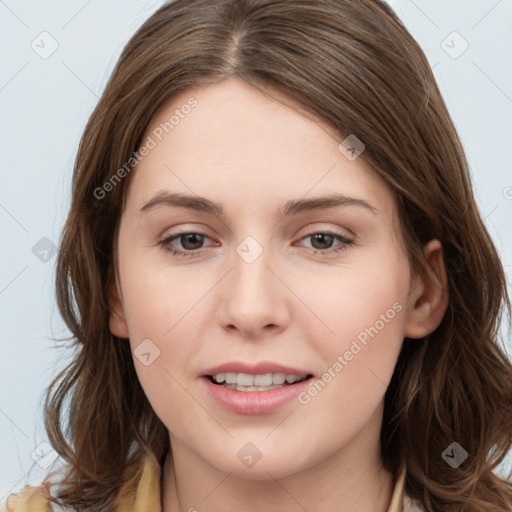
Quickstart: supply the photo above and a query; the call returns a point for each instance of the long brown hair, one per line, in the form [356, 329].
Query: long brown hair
[354, 66]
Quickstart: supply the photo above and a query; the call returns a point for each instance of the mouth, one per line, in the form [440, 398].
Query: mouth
[247, 382]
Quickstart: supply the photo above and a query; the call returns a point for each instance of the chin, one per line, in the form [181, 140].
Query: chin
[262, 471]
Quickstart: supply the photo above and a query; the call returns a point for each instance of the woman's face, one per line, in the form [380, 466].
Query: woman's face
[271, 279]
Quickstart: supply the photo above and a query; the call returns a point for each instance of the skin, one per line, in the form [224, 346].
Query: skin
[252, 153]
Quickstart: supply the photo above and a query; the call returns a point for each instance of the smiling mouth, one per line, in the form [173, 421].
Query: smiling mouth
[262, 382]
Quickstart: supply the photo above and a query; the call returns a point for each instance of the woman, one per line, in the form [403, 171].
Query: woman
[228, 358]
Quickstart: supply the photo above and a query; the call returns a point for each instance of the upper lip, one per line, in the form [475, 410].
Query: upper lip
[254, 369]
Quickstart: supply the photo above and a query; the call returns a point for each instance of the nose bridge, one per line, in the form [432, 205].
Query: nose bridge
[252, 279]
[252, 295]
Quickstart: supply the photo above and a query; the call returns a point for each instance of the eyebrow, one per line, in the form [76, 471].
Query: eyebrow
[292, 207]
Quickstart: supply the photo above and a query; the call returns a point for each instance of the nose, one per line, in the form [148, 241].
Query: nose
[254, 301]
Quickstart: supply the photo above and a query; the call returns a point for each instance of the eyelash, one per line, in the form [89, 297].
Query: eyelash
[166, 244]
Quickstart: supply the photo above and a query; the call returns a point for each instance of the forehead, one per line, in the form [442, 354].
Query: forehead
[236, 141]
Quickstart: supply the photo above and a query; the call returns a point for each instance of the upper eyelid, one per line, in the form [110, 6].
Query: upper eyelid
[310, 230]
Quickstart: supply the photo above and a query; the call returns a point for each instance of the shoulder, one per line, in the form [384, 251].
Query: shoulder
[32, 499]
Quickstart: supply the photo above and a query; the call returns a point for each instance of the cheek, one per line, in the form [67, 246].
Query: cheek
[159, 306]
[364, 310]
[158, 297]
[357, 304]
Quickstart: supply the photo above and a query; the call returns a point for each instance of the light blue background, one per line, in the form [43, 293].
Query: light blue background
[45, 104]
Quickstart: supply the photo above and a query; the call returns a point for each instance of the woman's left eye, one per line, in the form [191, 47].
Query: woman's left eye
[191, 243]
[326, 237]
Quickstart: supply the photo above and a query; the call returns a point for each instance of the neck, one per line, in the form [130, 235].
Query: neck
[351, 479]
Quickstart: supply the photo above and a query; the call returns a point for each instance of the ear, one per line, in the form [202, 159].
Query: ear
[117, 320]
[429, 295]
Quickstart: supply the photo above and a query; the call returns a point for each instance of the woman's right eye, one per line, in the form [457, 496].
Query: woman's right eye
[188, 240]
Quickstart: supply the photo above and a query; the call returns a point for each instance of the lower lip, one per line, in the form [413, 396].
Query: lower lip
[254, 402]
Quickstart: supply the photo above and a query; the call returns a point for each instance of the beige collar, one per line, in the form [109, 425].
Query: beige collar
[397, 498]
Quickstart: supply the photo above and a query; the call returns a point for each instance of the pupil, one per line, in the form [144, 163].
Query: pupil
[322, 236]
[190, 238]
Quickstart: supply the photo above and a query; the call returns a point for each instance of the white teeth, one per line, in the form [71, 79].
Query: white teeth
[255, 388]
[250, 388]
[278, 378]
[244, 379]
[230, 378]
[263, 380]
[253, 382]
